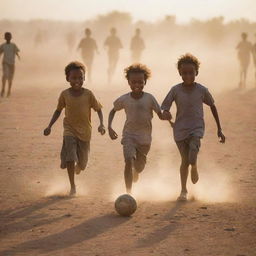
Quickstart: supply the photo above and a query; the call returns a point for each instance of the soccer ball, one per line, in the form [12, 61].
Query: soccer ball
[125, 205]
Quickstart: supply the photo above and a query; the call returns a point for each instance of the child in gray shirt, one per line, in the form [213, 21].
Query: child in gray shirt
[188, 128]
[136, 137]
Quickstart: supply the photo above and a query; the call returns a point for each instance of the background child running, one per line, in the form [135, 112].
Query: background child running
[188, 128]
[77, 102]
[138, 106]
[9, 51]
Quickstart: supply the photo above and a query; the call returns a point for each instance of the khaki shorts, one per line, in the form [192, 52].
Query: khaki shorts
[75, 150]
[137, 152]
[8, 70]
[189, 149]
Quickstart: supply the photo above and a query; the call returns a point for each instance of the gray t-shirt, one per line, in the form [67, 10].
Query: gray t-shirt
[9, 51]
[190, 114]
[139, 113]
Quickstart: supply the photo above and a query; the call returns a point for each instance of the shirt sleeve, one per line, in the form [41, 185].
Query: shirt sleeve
[208, 99]
[155, 105]
[16, 48]
[95, 104]
[118, 104]
[61, 102]
[167, 103]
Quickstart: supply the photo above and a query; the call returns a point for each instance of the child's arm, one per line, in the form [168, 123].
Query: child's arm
[18, 55]
[216, 117]
[55, 117]
[166, 105]
[101, 128]
[112, 134]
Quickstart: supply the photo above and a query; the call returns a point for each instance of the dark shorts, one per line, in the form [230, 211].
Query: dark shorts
[189, 149]
[75, 150]
[137, 152]
[8, 70]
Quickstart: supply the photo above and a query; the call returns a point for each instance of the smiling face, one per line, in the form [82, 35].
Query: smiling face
[188, 73]
[137, 82]
[76, 79]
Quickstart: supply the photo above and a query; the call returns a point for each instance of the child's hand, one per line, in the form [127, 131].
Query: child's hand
[47, 131]
[112, 134]
[221, 136]
[166, 115]
[101, 129]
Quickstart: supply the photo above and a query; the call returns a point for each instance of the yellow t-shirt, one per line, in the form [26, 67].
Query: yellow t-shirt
[77, 121]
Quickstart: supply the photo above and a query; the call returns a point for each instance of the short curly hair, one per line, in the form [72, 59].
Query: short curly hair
[137, 68]
[74, 65]
[188, 59]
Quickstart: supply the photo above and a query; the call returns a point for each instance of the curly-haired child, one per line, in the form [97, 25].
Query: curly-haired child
[78, 103]
[136, 138]
[188, 128]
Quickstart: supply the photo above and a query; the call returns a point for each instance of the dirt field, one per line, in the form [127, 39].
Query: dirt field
[37, 218]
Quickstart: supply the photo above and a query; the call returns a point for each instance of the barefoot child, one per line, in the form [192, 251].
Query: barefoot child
[9, 50]
[138, 106]
[188, 129]
[77, 102]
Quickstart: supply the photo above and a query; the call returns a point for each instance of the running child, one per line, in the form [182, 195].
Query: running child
[136, 138]
[9, 51]
[78, 103]
[188, 128]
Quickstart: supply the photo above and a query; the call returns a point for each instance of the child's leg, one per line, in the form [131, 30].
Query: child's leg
[128, 174]
[194, 145]
[71, 175]
[141, 157]
[83, 149]
[68, 159]
[11, 69]
[3, 85]
[129, 151]
[184, 153]
[4, 78]
[9, 87]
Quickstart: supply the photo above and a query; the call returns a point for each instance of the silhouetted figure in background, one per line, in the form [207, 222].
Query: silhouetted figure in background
[88, 47]
[244, 52]
[114, 45]
[137, 46]
[254, 57]
[9, 51]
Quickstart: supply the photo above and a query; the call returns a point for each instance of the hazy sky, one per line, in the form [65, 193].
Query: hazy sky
[149, 10]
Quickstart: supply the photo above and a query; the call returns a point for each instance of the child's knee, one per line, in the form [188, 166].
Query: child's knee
[185, 163]
[139, 165]
[129, 161]
[70, 165]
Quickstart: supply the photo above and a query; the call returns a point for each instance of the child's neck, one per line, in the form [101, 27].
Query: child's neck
[188, 85]
[137, 95]
[8, 41]
[76, 92]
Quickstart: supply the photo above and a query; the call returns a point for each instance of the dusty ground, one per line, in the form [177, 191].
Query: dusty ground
[38, 219]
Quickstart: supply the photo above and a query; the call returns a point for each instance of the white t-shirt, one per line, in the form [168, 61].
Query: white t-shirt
[139, 113]
[9, 51]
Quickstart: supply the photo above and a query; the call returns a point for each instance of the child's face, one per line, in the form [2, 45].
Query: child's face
[136, 82]
[76, 79]
[188, 73]
[8, 37]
